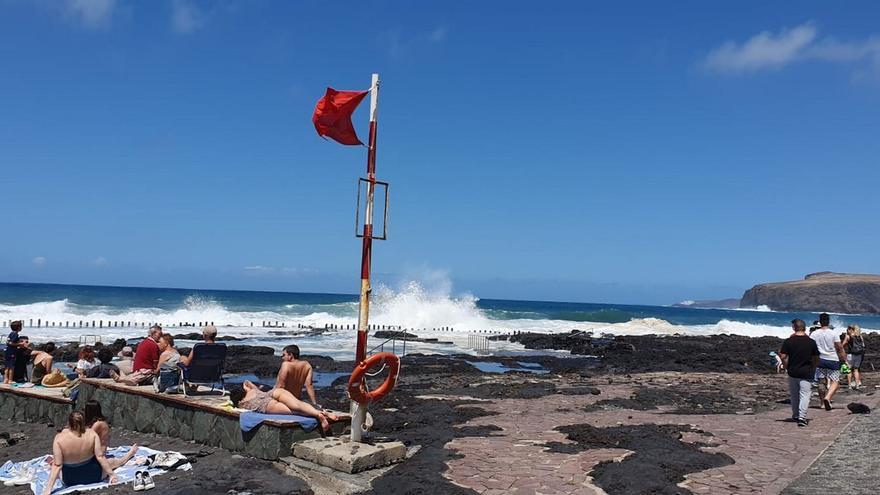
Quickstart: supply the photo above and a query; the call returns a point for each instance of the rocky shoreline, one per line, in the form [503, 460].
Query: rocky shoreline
[439, 398]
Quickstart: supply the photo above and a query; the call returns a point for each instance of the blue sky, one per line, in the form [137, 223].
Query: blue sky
[631, 152]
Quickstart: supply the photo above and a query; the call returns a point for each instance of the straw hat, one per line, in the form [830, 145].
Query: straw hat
[55, 379]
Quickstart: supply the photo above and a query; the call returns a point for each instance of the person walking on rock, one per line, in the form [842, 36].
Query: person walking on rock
[831, 354]
[800, 356]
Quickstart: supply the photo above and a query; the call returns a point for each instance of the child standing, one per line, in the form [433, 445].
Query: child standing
[12, 343]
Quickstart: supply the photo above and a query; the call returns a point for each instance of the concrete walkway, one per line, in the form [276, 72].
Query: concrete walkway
[769, 453]
[849, 465]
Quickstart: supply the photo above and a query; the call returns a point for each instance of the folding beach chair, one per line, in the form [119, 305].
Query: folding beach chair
[206, 367]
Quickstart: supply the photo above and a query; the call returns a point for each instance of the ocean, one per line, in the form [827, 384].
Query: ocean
[428, 313]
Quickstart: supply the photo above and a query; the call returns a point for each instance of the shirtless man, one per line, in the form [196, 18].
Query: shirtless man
[295, 373]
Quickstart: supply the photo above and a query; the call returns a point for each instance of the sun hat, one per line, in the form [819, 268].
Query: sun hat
[126, 352]
[54, 379]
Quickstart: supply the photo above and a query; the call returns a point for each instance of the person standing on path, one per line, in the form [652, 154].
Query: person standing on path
[854, 344]
[800, 356]
[831, 354]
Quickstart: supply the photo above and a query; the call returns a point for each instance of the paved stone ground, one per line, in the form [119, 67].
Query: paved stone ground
[849, 465]
[769, 453]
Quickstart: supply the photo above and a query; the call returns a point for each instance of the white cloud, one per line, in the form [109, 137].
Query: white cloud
[40, 261]
[186, 18]
[762, 51]
[438, 34]
[767, 51]
[91, 13]
[401, 45]
[100, 261]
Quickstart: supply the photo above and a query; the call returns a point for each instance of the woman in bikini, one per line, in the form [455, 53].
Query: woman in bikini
[96, 422]
[42, 362]
[277, 401]
[77, 456]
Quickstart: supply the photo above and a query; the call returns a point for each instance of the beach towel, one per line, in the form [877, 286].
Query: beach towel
[37, 471]
[250, 420]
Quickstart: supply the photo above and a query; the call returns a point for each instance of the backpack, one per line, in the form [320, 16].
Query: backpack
[857, 346]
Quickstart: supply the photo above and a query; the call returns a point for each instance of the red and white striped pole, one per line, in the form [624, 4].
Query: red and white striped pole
[359, 411]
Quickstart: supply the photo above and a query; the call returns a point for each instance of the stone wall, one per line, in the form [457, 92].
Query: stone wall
[33, 409]
[152, 415]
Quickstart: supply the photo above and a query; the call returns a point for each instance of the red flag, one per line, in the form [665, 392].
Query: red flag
[332, 116]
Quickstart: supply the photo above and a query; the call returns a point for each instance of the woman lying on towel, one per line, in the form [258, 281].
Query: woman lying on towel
[277, 401]
[78, 455]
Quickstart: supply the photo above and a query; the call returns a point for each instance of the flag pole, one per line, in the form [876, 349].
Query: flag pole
[359, 411]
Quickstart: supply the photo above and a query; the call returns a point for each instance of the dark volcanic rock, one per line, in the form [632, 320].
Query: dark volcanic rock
[647, 353]
[824, 291]
[69, 352]
[259, 360]
[576, 341]
[694, 398]
[198, 336]
[394, 334]
[660, 459]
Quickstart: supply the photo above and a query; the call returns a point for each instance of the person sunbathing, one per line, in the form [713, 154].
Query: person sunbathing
[167, 374]
[42, 362]
[95, 420]
[105, 368]
[78, 456]
[277, 401]
[294, 374]
[86, 360]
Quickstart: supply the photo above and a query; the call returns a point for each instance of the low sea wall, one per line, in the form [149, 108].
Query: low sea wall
[146, 412]
[26, 405]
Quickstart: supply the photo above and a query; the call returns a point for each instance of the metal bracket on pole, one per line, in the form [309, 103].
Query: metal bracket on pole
[357, 217]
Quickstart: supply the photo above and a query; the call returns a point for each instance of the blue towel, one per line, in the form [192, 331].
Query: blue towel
[249, 420]
[37, 470]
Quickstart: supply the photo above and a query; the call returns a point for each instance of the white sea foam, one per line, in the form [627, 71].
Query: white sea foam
[412, 306]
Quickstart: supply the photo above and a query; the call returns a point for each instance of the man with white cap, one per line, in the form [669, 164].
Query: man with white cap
[126, 360]
[209, 334]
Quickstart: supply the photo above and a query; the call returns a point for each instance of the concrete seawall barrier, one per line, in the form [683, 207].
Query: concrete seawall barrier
[35, 405]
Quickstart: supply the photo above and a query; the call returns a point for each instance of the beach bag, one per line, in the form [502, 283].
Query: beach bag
[167, 381]
[168, 461]
[71, 390]
[857, 346]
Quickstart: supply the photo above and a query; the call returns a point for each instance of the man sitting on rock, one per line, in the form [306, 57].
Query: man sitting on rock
[295, 373]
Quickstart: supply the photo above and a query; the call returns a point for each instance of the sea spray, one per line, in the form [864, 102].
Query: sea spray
[414, 305]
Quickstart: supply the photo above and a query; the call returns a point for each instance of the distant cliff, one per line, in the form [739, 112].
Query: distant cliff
[823, 291]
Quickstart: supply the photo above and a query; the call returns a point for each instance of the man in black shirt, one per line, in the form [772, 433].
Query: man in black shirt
[800, 356]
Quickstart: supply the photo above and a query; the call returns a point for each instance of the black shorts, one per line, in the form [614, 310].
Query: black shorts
[10, 359]
[855, 361]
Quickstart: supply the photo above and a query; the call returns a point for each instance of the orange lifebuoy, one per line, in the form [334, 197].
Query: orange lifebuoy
[356, 392]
